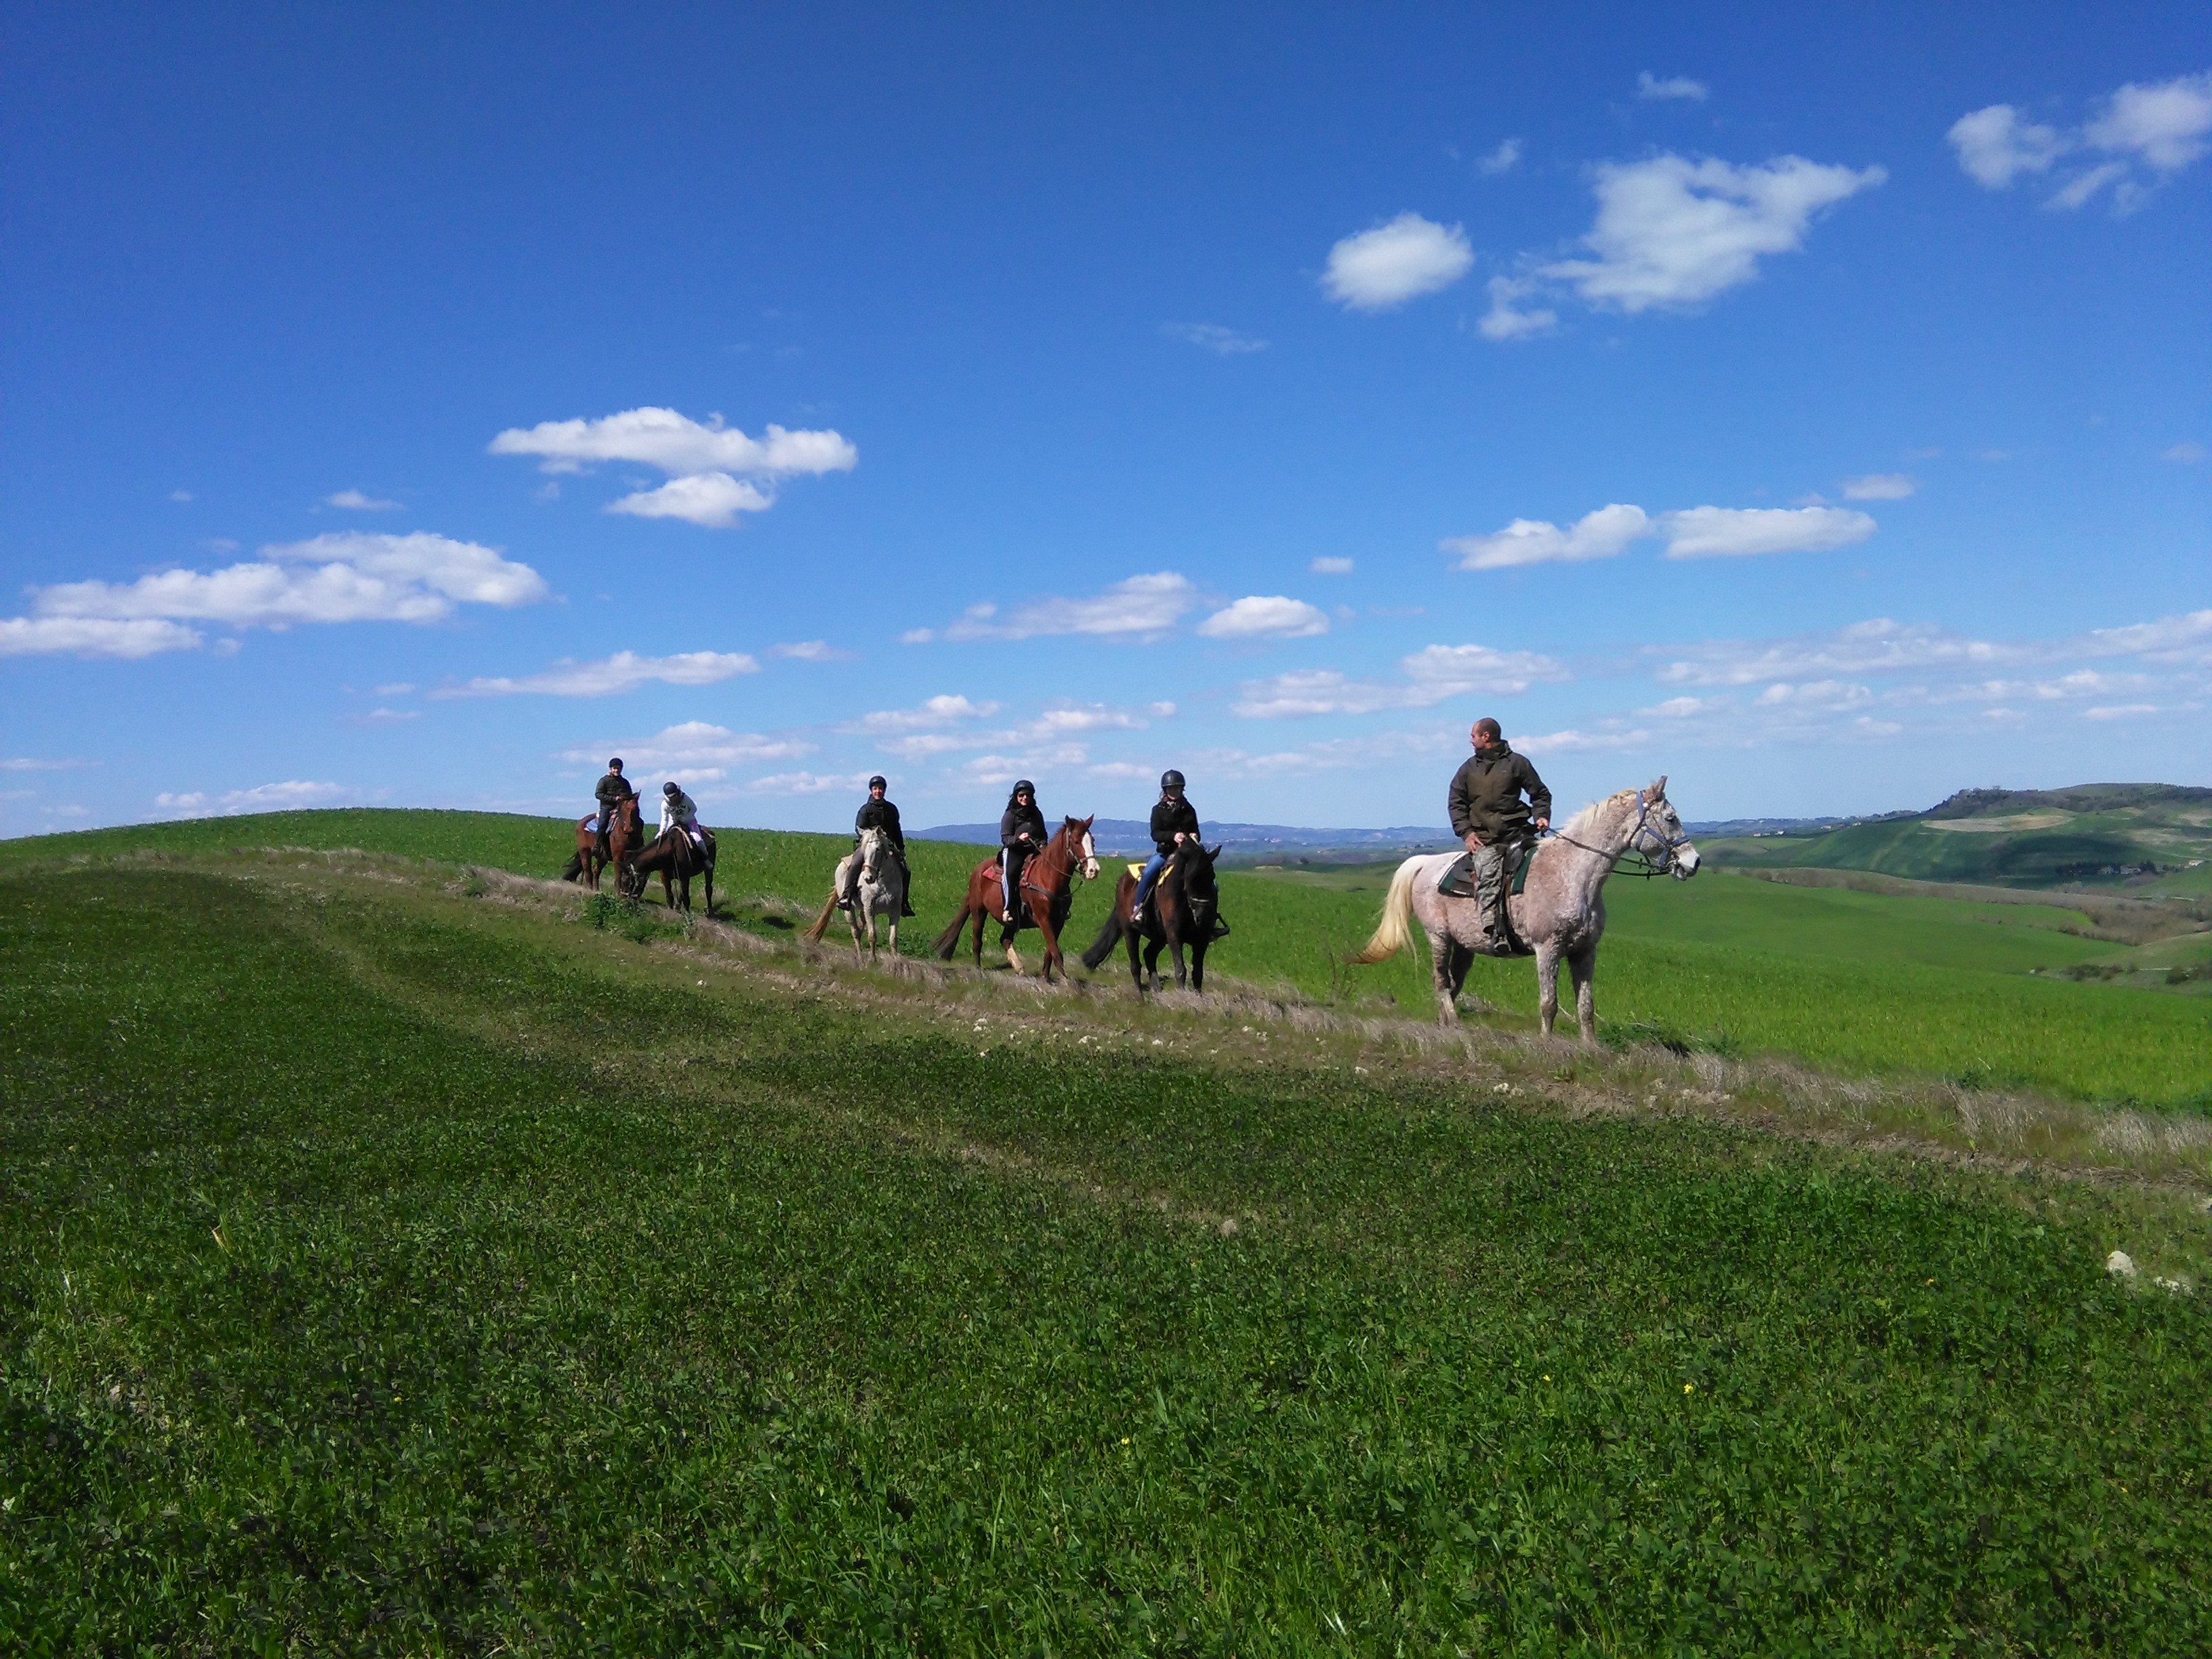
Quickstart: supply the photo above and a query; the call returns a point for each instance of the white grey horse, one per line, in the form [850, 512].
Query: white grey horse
[870, 882]
[1559, 912]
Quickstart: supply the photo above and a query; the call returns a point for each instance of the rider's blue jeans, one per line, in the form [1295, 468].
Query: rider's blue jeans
[1153, 865]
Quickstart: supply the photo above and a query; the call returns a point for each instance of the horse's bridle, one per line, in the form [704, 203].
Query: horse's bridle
[1659, 859]
[1656, 860]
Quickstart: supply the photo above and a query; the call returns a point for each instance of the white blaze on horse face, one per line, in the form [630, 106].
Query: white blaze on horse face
[1090, 859]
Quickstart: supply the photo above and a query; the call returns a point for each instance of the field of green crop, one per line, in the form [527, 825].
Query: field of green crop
[1856, 982]
[386, 1266]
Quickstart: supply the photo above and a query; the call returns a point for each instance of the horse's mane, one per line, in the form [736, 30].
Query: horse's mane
[1584, 821]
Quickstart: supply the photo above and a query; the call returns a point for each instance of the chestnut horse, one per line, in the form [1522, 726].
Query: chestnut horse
[1183, 909]
[1048, 893]
[622, 834]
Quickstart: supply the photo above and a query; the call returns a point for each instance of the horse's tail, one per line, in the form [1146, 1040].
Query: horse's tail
[1393, 933]
[1109, 936]
[949, 941]
[822, 922]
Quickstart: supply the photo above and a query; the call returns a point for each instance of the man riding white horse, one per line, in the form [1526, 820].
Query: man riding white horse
[877, 812]
[1489, 818]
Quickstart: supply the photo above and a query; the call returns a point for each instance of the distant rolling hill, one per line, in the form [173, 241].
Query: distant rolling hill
[2152, 836]
[1244, 843]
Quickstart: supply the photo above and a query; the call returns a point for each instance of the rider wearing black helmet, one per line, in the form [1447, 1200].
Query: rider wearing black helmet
[612, 792]
[878, 813]
[1021, 837]
[1175, 821]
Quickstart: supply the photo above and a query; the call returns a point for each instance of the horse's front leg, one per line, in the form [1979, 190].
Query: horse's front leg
[1547, 986]
[1197, 949]
[1175, 956]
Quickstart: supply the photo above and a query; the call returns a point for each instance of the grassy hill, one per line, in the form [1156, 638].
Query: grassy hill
[2152, 837]
[1866, 982]
[394, 1262]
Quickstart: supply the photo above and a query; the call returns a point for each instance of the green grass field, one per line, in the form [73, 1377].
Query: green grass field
[1857, 982]
[390, 1266]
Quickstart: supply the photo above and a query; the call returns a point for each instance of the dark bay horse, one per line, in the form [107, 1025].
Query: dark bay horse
[1184, 909]
[622, 833]
[1048, 893]
[672, 854]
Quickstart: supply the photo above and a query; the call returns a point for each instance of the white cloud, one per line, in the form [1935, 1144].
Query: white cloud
[677, 445]
[2161, 127]
[2181, 638]
[1599, 535]
[1432, 675]
[1505, 320]
[1504, 159]
[347, 577]
[91, 636]
[2168, 124]
[1330, 567]
[2120, 712]
[1411, 256]
[933, 715]
[1265, 617]
[710, 466]
[2188, 452]
[1573, 741]
[694, 744]
[354, 501]
[1705, 533]
[389, 716]
[1880, 487]
[1995, 146]
[1826, 697]
[182, 498]
[289, 797]
[1672, 232]
[396, 688]
[812, 651]
[713, 499]
[1879, 646]
[808, 783]
[1649, 86]
[1213, 338]
[26, 763]
[625, 670]
[1135, 607]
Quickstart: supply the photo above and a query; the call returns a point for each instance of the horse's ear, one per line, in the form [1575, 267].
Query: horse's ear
[1659, 789]
[1215, 853]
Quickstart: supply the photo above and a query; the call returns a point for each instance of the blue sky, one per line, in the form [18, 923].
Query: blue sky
[416, 405]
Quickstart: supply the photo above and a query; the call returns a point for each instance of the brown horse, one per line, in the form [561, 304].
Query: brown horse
[672, 854]
[1184, 907]
[1048, 893]
[622, 833]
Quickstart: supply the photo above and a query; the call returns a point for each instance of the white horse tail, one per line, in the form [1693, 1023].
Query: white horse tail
[822, 922]
[1394, 933]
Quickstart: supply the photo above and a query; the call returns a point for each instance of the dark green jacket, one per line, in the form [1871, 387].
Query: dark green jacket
[611, 789]
[1486, 795]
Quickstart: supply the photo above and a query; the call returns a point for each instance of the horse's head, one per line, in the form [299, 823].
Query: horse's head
[1195, 864]
[872, 843]
[1659, 833]
[1078, 831]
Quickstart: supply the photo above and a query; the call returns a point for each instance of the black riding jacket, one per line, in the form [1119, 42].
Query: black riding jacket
[612, 789]
[1486, 795]
[1017, 822]
[880, 815]
[1168, 816]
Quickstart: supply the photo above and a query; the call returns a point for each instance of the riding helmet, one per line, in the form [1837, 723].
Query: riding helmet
[615, 765]
[879, 782]
[1170, 780]
[671, 787]
[1024, 786]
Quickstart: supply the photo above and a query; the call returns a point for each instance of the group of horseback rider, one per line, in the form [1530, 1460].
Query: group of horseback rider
[678, 810]
[1487, 814]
